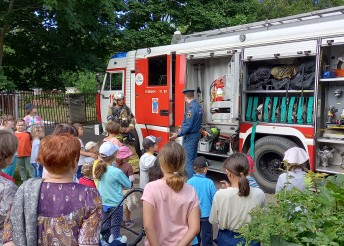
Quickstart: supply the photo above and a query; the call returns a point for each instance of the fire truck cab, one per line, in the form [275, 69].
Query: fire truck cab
[264, 87]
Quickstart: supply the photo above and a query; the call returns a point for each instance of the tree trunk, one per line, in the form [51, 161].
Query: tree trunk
[2, 38]
[4, 30]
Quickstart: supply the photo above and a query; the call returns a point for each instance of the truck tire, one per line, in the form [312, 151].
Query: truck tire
[268, 156]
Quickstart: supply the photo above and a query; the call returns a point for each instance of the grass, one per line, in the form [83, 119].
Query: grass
[17, 177]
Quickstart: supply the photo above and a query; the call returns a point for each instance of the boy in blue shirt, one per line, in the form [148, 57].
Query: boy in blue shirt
[205, 189]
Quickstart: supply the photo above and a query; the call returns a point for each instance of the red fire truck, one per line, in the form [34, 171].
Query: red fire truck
[264, 87]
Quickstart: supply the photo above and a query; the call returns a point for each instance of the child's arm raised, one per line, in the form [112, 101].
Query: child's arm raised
[194, 227]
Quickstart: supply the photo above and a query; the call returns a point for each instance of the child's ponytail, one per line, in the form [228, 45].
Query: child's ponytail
[100, 169]
[244, 185]
[172, 159]
[176, 181]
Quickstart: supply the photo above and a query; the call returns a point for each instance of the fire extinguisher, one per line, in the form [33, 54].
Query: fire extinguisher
[218, 92]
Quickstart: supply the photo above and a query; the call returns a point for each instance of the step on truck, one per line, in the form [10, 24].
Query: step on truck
[264, 87]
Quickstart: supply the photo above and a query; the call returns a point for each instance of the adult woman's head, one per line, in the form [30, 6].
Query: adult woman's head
[30, 109]
[59, 154]
[172, 160]
[107, 152]
[8, 147]
[237, 168]
[7, 121]
[65, 128]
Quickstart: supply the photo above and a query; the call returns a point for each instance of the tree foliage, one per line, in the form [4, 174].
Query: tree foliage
[42, 39]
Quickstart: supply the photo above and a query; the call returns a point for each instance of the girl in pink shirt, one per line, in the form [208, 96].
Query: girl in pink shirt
[171, 214]
[113, 129]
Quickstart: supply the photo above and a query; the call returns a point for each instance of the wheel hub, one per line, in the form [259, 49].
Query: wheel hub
[269, 164]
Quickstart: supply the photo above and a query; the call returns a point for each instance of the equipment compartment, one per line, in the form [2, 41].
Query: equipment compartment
[330, 127]
[279, 90]
[217, 82]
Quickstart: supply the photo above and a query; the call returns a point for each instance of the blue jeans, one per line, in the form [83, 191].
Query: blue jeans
[231, 238]
[78, 173]
[190, 144]
[39, 171]
[206, 233]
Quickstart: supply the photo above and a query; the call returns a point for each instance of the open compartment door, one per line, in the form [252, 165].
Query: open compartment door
[152, 86]
[154, 89]
[179, 85]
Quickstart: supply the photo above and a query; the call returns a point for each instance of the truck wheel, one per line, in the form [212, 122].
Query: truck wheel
[268, 156]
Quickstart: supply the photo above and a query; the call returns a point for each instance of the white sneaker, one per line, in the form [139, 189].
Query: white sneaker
[122, 239]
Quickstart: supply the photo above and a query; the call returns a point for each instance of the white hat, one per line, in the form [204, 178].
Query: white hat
[296, 155]
[107, 149]
[90, 145]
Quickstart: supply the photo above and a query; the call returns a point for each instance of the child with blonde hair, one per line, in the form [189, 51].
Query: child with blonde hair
[37, 133]
[110, 183]
[170, 201]
[87, 179]
[131, 202]
[83, 154]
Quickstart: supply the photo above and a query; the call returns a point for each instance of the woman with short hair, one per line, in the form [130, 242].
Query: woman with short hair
[56, 210]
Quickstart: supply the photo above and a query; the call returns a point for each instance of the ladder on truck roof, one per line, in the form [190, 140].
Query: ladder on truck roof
[313, 17]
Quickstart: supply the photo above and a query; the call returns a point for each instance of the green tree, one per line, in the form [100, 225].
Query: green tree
[48, 37]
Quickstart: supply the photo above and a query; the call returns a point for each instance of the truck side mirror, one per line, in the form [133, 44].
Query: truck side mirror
[98, 84]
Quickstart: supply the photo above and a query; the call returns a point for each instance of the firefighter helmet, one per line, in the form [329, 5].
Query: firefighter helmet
[119, 96]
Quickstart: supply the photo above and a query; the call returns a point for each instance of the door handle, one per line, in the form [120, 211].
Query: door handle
[104, 97]
[164, 112]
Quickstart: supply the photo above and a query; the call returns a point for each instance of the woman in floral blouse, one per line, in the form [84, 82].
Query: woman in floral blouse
[8, 147]
[55, 211]
[32, 118]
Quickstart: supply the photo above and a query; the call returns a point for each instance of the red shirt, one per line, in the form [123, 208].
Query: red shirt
[87, 182]
[25, 146]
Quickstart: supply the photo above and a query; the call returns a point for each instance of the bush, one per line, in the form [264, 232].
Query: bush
[5, 83]
[85, 81]
[309, 218]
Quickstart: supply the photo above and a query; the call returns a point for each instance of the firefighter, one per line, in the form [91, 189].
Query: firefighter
[190, 129]
[121, 114]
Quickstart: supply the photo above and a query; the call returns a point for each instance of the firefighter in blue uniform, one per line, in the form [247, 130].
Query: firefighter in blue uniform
[190, 129]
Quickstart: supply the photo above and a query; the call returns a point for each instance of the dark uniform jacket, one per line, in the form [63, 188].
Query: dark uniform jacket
[192, 119]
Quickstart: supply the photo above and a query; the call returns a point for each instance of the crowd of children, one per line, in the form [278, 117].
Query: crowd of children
[176, 211]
